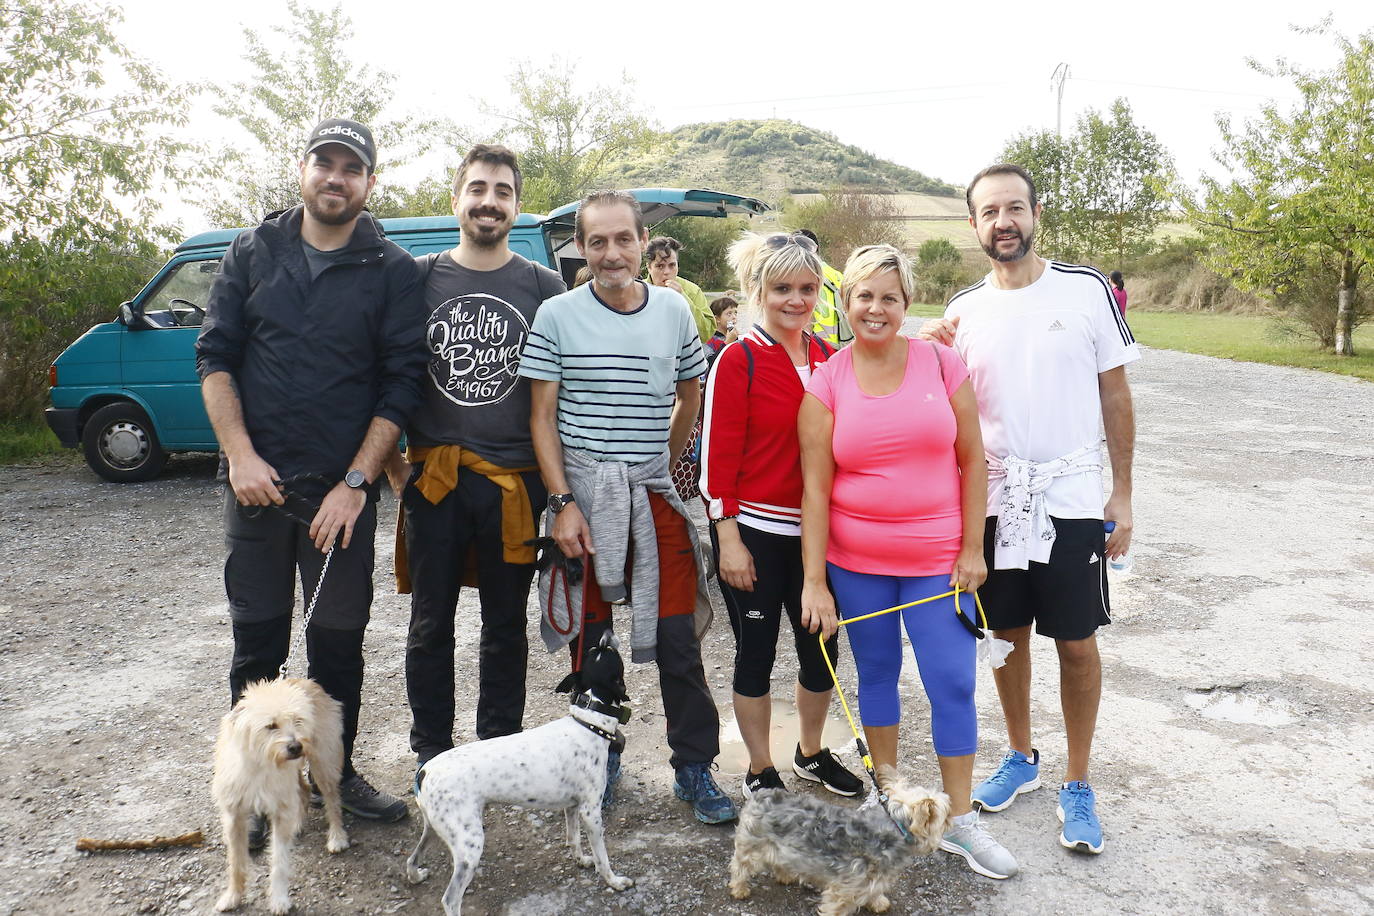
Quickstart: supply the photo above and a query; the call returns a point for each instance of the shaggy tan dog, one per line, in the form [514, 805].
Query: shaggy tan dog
[264, 744]
[850, 855]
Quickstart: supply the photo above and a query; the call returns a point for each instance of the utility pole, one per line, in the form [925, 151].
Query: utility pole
[1057, 80]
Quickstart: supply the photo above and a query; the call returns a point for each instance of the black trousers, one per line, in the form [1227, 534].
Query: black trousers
[266, 552]
[438, 541]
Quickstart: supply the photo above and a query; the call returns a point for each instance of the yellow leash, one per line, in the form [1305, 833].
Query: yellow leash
[858, 739]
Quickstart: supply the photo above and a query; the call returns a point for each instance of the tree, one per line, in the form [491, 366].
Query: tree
[846, 218]
[940, 270]
[78, 159]
[302, 74]
[566, 135]
[1105, 187]
[1298, 207]
[80, 164]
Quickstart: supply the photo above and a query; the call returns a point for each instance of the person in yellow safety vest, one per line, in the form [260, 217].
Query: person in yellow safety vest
[661, 256]
[828, 321]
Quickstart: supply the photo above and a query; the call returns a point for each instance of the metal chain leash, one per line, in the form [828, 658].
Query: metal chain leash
[309, 611]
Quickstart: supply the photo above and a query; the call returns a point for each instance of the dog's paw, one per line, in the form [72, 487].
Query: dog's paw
[739, 890]
[337, 842]
[879, 904]
[279, 906]
[228, 901]
[620, 883]
[415, 874]
[585, 861]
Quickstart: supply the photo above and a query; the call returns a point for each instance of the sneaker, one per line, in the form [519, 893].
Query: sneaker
[612, 777]
[768, 779]
[360, 798]
[982, 853]
[695, 784]
[1078, 813]
[825, 768]
[1017, 774]
[257, 832]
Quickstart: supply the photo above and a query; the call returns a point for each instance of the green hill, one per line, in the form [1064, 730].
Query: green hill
[766, 158]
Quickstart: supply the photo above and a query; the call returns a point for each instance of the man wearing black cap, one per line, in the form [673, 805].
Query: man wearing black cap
[310, 360]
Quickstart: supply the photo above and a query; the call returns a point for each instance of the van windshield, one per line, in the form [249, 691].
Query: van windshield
[179, 300]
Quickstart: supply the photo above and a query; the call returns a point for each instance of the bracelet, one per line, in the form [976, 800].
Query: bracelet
[724, 518]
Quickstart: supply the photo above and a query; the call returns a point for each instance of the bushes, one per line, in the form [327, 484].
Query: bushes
[940, 271]
[49, 296]
[1176, 279]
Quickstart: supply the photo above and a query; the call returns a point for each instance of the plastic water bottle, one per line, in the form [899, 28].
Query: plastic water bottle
[1121, 565]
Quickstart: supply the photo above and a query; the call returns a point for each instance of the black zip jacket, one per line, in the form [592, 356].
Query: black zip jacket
[313, 363]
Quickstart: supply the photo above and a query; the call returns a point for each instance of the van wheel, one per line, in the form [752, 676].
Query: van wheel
[120, 444]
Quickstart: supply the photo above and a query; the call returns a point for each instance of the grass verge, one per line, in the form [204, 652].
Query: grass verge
[22, 441]
[1249, 338]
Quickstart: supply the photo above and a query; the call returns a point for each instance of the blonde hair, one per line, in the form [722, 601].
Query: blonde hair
[756, 266]
[868, 261]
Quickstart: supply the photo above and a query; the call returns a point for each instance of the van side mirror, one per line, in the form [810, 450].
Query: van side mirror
[126, 315]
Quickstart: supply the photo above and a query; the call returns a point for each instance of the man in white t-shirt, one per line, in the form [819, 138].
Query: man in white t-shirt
[1046, 349]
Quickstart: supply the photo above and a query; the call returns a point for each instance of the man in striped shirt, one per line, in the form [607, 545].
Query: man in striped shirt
[614, 367]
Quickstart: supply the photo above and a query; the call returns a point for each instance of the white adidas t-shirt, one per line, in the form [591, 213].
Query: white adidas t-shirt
[1033, 356]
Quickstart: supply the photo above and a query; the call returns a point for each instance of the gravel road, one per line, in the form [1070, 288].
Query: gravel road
[1234, 762]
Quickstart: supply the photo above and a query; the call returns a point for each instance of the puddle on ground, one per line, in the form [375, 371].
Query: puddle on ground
[782, 737]
[1231, 705]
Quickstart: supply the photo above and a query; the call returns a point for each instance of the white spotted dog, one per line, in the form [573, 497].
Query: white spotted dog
[558, 766]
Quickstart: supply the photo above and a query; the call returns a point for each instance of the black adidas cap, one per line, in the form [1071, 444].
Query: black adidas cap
[349, 133]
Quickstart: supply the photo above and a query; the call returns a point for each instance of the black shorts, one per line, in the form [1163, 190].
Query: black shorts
[1065, 598]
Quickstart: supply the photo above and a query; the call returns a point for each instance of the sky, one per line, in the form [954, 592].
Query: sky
[939, 90]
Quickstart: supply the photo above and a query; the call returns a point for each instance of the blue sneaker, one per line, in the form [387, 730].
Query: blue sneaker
[1017, 773]
[695, 784]
[612, 777]
[1078, 814]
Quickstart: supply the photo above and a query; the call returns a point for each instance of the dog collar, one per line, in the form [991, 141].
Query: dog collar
[616, 738]
[617, 711]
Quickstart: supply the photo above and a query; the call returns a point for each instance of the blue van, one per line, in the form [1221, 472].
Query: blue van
[127, 391]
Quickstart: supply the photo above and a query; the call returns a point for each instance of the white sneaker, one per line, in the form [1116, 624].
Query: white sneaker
[983, 854]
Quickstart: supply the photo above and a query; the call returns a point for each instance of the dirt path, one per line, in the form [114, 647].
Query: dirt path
[1234, 761]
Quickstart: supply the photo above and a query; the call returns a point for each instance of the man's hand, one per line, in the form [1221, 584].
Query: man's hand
[254, 481]
[338, 512]
[1118, 509]
[818, 609]
[571, 532]
[398, 473]
[940, 330]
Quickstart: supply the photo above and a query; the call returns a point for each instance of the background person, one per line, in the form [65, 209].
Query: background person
[751, 479]
[1119, 291]
[310, 361]
[725, 310]
[895, 491]
[661, 257]
[829, 322]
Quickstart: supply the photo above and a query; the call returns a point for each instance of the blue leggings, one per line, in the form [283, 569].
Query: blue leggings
[946, 653]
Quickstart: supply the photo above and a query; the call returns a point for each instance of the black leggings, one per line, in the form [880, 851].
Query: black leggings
[756, 616]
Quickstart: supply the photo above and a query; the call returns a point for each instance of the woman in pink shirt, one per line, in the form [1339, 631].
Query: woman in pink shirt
[892, 511]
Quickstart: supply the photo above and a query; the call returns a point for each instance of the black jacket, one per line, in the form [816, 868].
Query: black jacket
[313, 363]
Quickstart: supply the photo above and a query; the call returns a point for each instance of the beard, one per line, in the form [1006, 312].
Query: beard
[1028, 239]
[317, 207]
[602, 282]
[484, 236]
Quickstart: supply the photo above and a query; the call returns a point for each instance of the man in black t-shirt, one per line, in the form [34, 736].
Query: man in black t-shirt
[470, 488]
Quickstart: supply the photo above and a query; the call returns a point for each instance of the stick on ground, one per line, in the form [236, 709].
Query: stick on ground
[87, 844]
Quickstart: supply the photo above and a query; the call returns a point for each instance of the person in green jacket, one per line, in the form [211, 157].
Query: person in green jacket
[829, 322]
[661, 256]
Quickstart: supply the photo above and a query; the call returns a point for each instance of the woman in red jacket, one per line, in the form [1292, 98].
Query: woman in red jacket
[751, 479]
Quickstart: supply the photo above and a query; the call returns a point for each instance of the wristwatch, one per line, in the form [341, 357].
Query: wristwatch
[559, 501]
[356, 479]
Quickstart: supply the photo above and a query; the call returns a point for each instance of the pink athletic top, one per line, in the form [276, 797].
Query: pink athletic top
[895, 503]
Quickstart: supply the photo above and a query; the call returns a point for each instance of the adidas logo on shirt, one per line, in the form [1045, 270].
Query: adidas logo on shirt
[1057, 326]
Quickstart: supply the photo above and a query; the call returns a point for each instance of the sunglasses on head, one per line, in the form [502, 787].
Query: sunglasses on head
[777, 242]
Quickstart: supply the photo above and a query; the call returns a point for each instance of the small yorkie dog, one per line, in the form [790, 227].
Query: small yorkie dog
[850, 855]
[264, 743]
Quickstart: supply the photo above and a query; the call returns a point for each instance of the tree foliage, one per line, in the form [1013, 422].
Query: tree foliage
[1105, 187]
[705, 242]
[302, 73]
[566, 134]
[940, 270]
[79, 158]
[1295, 221]
[845, 219]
